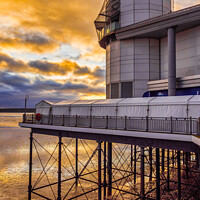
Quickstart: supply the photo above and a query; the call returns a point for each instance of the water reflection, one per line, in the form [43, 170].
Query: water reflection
[14, 159]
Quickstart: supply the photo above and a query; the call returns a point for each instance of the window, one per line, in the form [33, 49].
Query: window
[107, 91]
[127, 90]
[114, 90]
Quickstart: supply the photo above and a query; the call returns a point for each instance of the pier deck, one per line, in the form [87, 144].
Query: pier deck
[127, 159]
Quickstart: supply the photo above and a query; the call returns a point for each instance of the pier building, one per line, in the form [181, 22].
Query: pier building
[133, 147]
[149, 48]
[136, 148]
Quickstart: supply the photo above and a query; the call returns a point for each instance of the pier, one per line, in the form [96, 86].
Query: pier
[135, 144]
[125, 158]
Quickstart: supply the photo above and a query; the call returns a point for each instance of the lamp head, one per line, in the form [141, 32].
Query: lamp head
[26, 97]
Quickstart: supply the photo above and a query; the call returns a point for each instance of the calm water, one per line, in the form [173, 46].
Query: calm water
[14, 159]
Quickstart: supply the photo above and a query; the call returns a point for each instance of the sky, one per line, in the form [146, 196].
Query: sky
[49, 50]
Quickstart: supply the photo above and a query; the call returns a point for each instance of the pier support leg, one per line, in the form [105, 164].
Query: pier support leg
[109, 169]
[131, 157]
[163, 160]
[142, 192]
[135, 163]
[168, 173]
[197, 158]
[104, 183]
[99, 170]
[189, 158]
[157, 174]
[179, 174]
[59, 166]
[76, 175]
[150, 163]
[30, 166]
[186, 163]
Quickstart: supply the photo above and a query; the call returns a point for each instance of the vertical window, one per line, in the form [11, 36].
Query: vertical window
[107, 91]
[127, 90]
[114, 90]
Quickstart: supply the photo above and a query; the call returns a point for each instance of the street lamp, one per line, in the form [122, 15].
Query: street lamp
[26, 98]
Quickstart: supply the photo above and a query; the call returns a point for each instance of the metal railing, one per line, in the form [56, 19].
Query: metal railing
[107, 30]
[148, 124]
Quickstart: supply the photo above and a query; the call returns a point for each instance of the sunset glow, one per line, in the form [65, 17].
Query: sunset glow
[49, 50]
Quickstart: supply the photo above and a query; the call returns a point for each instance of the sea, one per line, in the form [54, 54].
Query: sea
[14, 151]
[14, 162]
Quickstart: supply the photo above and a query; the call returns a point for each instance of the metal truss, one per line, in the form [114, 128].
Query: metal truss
[83, 169]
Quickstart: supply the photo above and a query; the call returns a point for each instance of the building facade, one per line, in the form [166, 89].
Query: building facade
[150, 50]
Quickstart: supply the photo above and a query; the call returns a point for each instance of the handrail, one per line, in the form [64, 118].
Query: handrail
[149, 124]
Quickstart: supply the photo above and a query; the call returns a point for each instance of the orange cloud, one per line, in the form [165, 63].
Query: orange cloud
[61, 21]
[33, 42]
[63, 68]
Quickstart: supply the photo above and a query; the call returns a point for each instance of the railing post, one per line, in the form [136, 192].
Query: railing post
[76, 121]
[187, 125]
[24, 118]
[69, 120]
[106, 121]
[41, 120]
[90, 121]
[32, 118]
[125, 123]
[147, 123]
[171, 124]
[63, 118]
[116, 123]
[190, 125]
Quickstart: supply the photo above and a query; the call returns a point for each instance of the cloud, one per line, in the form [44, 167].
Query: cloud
[39, 67]
[45, 66]
[14, 87]
[10, 63]
[51, 21]
[26, 41]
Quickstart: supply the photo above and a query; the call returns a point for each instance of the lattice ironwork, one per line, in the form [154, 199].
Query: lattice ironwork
[83, 169]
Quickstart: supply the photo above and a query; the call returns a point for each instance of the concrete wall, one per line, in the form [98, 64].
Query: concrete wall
[188, 54]
[133, 11]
